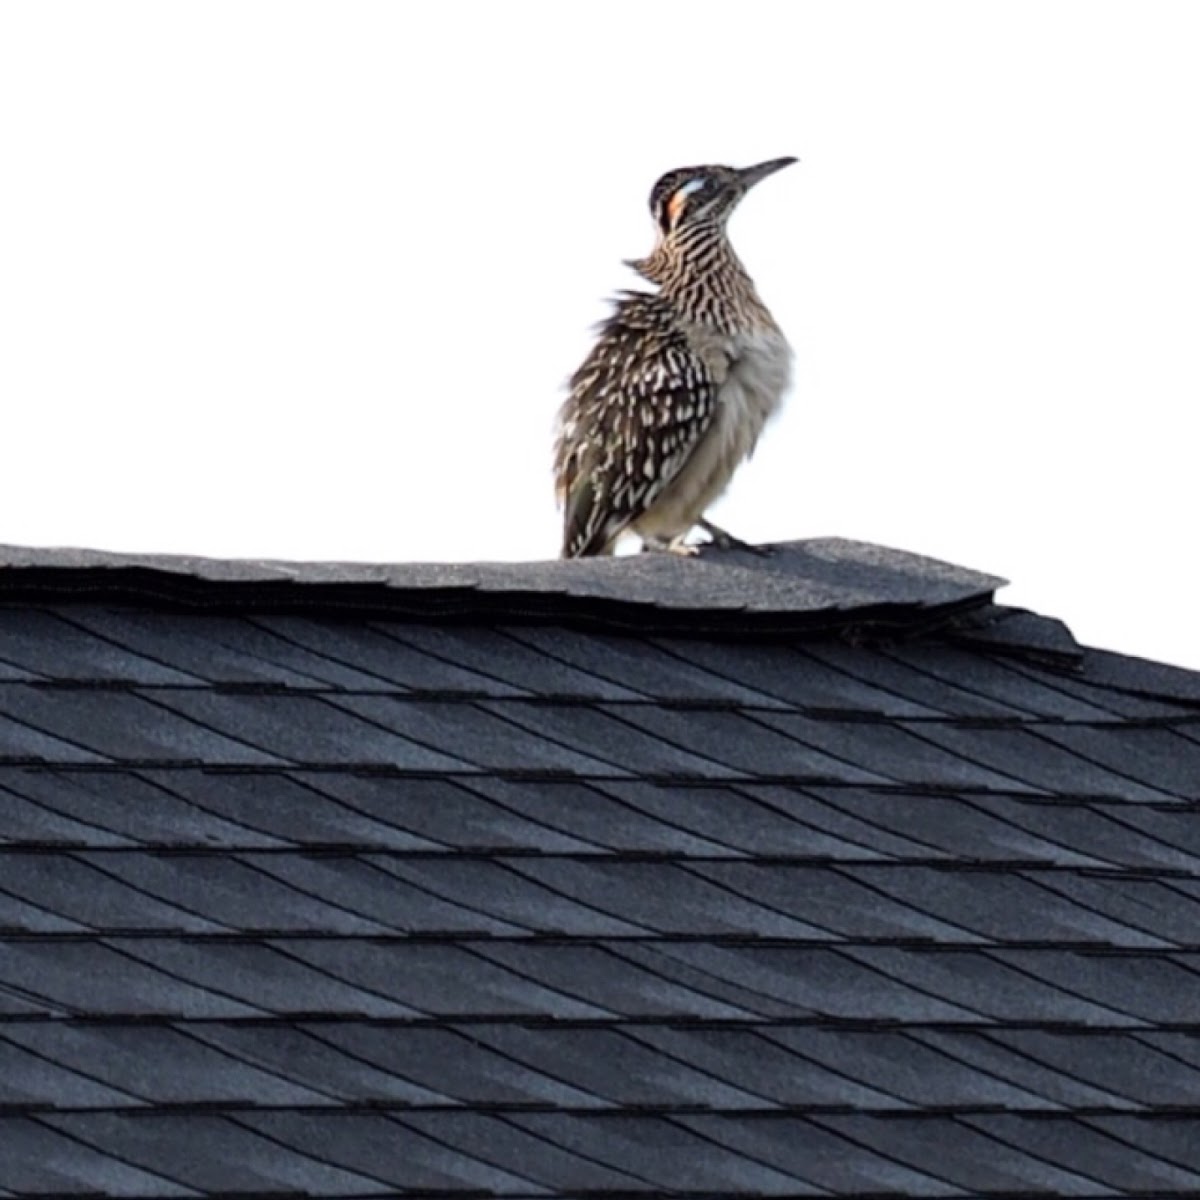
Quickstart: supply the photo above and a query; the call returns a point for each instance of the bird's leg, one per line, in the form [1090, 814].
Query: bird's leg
[726, 541]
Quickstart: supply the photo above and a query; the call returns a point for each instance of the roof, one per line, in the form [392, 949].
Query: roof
[811, 873]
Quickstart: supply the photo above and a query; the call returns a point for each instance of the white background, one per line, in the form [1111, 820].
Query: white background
[305, 279]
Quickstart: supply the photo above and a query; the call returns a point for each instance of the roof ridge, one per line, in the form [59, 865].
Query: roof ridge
[822, 583]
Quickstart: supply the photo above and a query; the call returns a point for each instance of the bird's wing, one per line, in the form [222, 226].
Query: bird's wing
[636, 409]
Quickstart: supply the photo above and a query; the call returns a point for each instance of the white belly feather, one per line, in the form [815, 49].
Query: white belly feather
[757, 373]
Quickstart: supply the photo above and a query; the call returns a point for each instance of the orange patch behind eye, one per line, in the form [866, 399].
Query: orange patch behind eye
[676, 203]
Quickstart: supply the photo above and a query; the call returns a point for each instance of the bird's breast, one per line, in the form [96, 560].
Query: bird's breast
[759, 373]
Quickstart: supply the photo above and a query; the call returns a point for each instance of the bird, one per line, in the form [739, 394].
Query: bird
[675, 392]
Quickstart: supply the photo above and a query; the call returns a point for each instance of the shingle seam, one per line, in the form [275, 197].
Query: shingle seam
[16, 897]
[582, 1157]
[529, 647]
[115, 944]
[1116, 1101]
[1109, 917]
[179, 905]
[390, 770]
[670, 648]
[289, 885]
[452, 901]
[44, 768]
[35, 1000]
[309, 784]
[1032, 1156]
[360, 850]
[824, 752]
[746, 790]
[768, 1109]
[278, 937]
[1181, 723]
[1111, 687]
[988, 769]
[998, 955]
[804, 651]
[1157, 1155]
[257, 623]
[1142, 1037]
[465, 785]
[933, 851]
[508, 856]
[1176, 959]
[635, 1035]
[307, 1030]
[684, 867]
[963, 687]
[495, 708]
[1006, 665]
[970, 936]
[1045, 675]
[536, 1137]
[764, 1034]
[986, 1033]
[1164, 791]
[285, 844]
[613, 1022]
[920, 990]
[269, 635]
[277, 943]
[196, 723]
[872, 1151]
[1043, 885]
[364, 719]
[838, 666]
[150, 776]
[390, 633]
[353, 1172]
[194, 1032]
[487, 709]
[479, 951]
[76, 856]
[664, 820]
[1008, 819]
[61, 739]
[688, 868]
[724, 985]
[562, 1080]
[62, 613]
[105, 1152]
[24, 674]
[136, 1099]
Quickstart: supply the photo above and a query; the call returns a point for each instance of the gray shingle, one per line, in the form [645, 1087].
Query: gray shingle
[807, 874]
[211, 1154]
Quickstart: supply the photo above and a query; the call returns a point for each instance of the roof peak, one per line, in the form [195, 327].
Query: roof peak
[820, 582]
[816, 583]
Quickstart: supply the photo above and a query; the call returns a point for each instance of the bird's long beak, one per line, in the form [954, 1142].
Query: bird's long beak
[749, 176]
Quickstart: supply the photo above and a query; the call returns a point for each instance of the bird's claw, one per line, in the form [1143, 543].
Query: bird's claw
[726, 541]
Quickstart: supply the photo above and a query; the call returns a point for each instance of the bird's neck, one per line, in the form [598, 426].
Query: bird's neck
[704, 279]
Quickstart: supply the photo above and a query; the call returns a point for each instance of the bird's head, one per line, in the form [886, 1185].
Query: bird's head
[691, 196]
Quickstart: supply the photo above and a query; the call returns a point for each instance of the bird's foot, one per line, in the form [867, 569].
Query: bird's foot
[674, 546]
[726, 541]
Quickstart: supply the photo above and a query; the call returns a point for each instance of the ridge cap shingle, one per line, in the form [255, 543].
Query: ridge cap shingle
[821, 581]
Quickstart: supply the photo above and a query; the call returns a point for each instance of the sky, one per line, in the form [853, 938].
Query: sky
[306, 280]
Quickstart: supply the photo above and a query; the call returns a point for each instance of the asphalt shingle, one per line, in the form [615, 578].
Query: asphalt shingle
[808, 874]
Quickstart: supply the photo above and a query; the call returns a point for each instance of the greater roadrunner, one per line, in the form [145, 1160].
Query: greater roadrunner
[680, 383]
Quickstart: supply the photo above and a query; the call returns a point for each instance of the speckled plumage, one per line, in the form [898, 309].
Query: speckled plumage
[679, 384]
